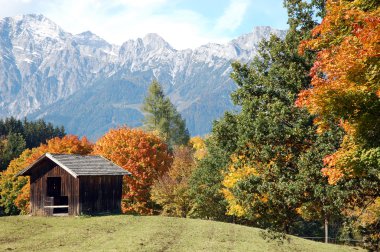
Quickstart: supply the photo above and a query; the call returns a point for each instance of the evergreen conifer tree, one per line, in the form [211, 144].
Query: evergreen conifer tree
[162, 116]
[11, 147]
[17, 135]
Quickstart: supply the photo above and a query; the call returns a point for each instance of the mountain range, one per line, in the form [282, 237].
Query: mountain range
[89, 85]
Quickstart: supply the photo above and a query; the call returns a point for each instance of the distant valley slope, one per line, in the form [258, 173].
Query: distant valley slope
[89, 85]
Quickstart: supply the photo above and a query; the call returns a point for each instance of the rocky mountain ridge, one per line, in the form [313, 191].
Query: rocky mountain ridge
[90, 85]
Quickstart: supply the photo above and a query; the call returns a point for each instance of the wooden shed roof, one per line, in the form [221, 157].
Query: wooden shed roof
[80, 165]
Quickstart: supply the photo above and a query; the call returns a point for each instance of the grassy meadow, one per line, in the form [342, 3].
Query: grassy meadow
[140, 233]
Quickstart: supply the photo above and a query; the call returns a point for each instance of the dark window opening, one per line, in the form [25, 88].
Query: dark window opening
[64, 210]
[53, 186]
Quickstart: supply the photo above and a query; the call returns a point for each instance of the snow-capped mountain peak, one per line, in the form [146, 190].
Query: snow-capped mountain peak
[82, 81]
[88, 38]
[155, 41]
[37, 26]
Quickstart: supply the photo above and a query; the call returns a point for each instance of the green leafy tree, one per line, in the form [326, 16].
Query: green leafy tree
[320, 202]
[162, 116]
[271, 135]
[33, 133]
[271, 140]
[205, 184]
[12, 146]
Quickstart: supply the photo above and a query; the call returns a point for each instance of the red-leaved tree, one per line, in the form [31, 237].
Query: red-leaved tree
[143, 154]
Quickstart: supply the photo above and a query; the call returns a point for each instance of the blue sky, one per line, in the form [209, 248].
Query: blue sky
[183, 23]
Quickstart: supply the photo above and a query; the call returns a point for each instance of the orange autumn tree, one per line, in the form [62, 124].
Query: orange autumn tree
[346, 84]
[143, 154]
[346, 91]
[14, 191]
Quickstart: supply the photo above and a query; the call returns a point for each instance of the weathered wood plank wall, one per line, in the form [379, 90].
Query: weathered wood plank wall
[100, 194]
[38, 184]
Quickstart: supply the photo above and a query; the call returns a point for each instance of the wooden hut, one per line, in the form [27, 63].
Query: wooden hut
[62, 184]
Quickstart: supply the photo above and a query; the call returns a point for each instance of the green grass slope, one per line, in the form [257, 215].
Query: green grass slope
[139, 233]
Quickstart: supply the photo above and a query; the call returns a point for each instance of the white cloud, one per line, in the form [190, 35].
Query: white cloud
[141, 3]
[16, 7]
[126, 19]
[119, 20]
[233, 15]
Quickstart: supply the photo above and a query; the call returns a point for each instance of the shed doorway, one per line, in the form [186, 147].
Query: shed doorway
[55, 202]
[53, 186]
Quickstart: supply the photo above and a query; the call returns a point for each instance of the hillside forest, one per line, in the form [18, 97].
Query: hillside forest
[300, 156]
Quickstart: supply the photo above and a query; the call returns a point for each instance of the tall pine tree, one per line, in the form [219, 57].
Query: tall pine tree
[162, 116]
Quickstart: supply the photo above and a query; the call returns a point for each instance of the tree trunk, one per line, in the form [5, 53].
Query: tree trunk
[326, 230]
